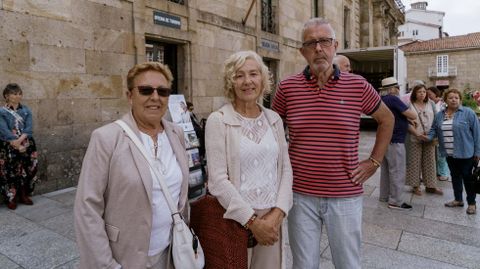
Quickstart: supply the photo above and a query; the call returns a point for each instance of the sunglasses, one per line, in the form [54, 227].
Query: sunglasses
[148, 90]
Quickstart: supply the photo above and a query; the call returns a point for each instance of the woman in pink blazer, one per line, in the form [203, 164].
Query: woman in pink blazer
[121, 217]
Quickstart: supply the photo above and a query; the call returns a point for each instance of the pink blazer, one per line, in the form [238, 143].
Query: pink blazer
[113, 214]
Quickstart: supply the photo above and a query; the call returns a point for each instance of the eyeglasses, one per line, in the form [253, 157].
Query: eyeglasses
[324, 43]
[148, 90]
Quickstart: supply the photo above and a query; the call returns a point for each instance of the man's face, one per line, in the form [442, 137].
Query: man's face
[319, 47]
[395, 91]
[344, 65]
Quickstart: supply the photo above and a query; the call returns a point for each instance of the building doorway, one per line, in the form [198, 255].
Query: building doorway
[273, 67]
[165, 53]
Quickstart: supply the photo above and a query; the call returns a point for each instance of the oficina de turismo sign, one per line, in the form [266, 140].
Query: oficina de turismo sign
[168, 20]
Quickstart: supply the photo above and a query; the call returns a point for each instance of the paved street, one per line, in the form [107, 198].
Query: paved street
[429, 236]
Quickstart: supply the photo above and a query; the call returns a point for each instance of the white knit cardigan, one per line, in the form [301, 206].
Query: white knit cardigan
[223, 159]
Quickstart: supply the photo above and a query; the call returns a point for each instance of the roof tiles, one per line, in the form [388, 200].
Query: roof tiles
[471, 40]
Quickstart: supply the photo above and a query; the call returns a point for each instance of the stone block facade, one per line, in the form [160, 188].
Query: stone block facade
[71, 58]
[465, 62]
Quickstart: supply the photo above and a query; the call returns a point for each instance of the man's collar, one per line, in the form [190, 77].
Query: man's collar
[308, 74]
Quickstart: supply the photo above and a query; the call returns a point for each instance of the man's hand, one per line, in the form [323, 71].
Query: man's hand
[364, 171]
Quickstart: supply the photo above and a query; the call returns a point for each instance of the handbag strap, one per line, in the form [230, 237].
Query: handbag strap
[419, 118]
[158, 176]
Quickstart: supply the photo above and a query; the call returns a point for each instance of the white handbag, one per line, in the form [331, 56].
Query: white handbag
[187, 253]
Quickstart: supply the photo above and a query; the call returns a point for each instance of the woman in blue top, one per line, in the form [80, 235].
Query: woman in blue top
[458, 132]
[18, 153]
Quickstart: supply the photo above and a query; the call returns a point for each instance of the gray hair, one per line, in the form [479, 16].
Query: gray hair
[386, 91]
[316, 22]
[235, 62]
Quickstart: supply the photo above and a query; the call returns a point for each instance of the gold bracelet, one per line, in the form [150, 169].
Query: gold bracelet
[250, 221]
[375, 162]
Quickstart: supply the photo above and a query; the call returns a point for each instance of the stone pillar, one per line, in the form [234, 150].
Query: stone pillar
[366, 23]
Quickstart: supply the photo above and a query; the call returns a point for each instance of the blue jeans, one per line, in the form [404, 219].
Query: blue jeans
[461, 172]
[342, 218]
[442, 166]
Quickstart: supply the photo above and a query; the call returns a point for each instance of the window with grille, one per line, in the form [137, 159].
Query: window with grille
[268, 16]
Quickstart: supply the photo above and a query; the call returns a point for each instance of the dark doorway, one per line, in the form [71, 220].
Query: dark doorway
[272, 66]
[165, 53]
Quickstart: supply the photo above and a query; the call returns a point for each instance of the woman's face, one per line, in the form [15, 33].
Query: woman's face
[431, 95]
[421, 95]
[14, 98]
[148, 109]
[453, 100]
[248, 82]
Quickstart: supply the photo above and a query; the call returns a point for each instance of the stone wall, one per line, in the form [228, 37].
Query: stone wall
[71, 58]
[466, 61]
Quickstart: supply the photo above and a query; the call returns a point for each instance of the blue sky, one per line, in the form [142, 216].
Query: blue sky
[461, 16]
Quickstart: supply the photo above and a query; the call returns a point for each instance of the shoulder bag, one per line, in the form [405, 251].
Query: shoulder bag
[435, 140]
[225, 241]
[187, 253]
[476, 177]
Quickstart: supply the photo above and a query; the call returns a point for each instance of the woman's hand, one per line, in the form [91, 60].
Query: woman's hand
[424, 138]
[264, 231]
[15, 143]
[275, 217]
[419, 134]
[22, 138]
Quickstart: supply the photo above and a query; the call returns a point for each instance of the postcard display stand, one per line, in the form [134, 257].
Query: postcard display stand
[181, 116]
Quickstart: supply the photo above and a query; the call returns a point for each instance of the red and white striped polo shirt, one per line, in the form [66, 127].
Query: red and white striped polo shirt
[324, 130]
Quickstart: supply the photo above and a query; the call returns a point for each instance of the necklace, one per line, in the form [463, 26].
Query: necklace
[253, 113]
[158, 159]
[449, 115]
[155, 147]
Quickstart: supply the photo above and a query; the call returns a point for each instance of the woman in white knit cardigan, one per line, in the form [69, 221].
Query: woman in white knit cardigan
[248, 164]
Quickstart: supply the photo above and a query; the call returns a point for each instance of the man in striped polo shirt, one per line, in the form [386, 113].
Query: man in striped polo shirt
[321, 107]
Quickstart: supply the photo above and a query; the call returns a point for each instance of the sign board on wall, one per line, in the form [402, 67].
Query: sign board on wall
[269, 45]
[168, 20]
[444, 82]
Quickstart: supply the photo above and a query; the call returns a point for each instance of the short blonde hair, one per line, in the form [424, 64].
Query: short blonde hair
[148, 66]
[235, 62]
